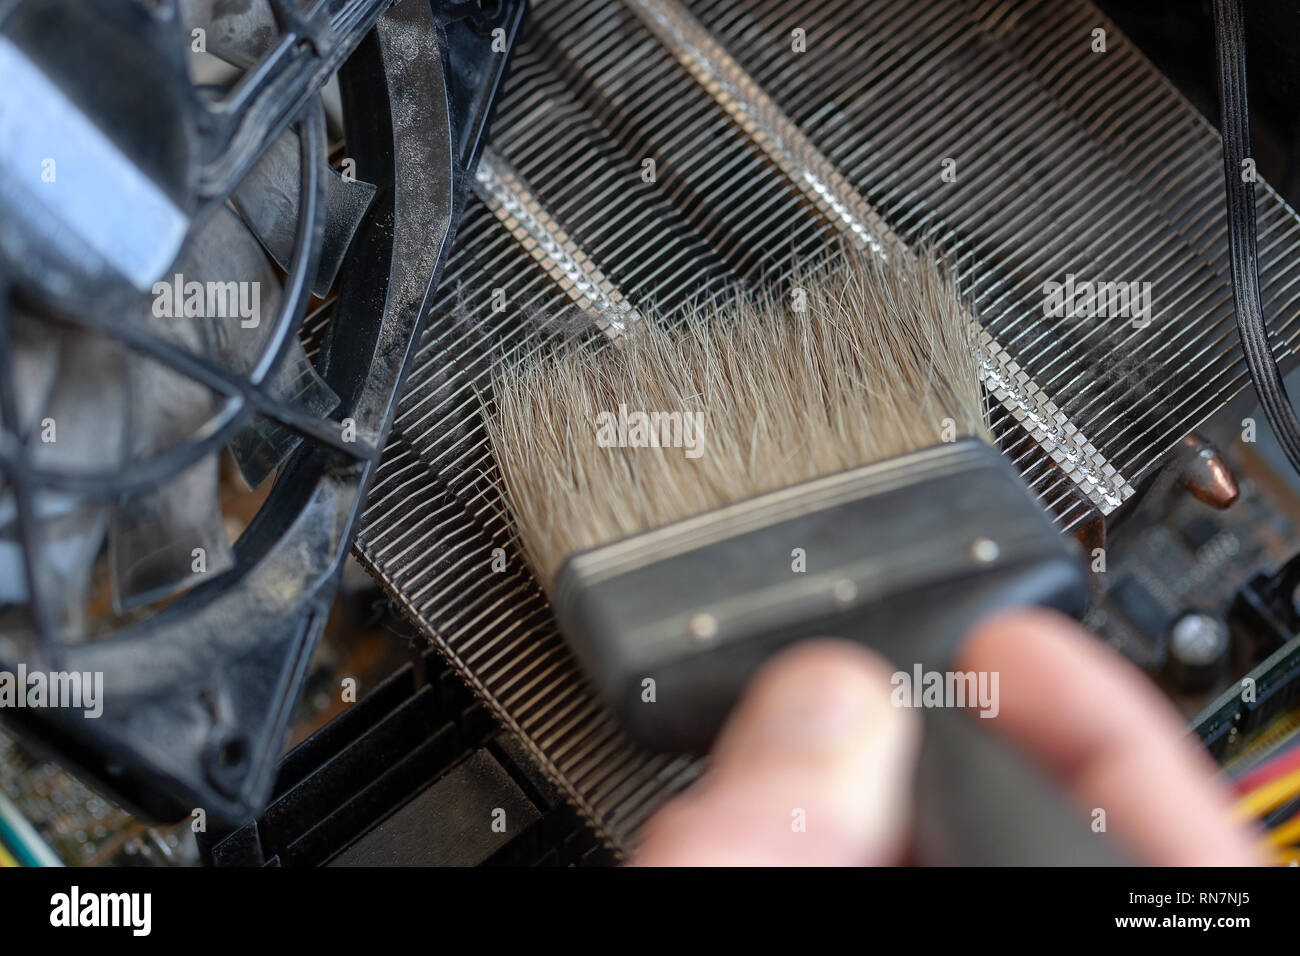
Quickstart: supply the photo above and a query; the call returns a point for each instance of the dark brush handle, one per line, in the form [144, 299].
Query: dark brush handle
[905, 556]
[979, 802]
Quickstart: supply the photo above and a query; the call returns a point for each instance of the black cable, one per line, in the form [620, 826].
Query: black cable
[1281, 815]
[1243, 251]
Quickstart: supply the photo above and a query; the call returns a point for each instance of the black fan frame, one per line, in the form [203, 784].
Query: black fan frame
[197, 697]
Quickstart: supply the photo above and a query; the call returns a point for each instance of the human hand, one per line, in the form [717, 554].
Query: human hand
[817, 734]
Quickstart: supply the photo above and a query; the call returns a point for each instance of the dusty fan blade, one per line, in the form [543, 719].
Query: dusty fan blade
[35, 366]
[166, 539]
[69, 535]
[267, 200]
[159, 536]
[227, 248]
[169, 539]
[13, 578]
[238, 33]
[78, 425]
[82, 426]
[263, 446]
[241, 33]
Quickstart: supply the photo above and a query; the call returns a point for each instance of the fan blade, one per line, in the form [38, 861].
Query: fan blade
[158, 539]
[82, 424]
[224, 252]
[35, 366]
[262, 447]
[13, 577]
[239, 33]
[169, 539]
[78, 425]
[267, 200]
[154, 533]
[69, 536]
[166, 539]
[227, 248]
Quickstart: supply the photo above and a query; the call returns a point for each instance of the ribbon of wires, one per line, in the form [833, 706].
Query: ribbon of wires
[1243, 245]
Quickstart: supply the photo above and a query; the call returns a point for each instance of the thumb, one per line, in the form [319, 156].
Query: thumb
[814, 767]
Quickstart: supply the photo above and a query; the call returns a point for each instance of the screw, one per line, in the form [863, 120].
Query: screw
[704, 627]
[843, 592]
[984, 550]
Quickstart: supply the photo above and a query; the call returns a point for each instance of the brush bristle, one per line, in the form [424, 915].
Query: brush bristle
[879, 361]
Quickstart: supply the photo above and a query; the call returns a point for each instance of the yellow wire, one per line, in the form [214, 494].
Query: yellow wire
[1269, 797]
[1286, 834]
[6, 858]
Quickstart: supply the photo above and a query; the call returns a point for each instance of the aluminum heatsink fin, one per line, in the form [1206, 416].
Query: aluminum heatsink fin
[628, 170]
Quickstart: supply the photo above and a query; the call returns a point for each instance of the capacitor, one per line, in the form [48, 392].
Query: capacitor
[1206, 474]
[1199, 643]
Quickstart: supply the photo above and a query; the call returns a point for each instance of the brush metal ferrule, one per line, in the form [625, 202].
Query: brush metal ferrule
[903, 554]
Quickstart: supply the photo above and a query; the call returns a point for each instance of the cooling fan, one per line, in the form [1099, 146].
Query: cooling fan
[196, 272]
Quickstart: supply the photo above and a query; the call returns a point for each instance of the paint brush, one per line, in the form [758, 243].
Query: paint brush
[695, 496]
